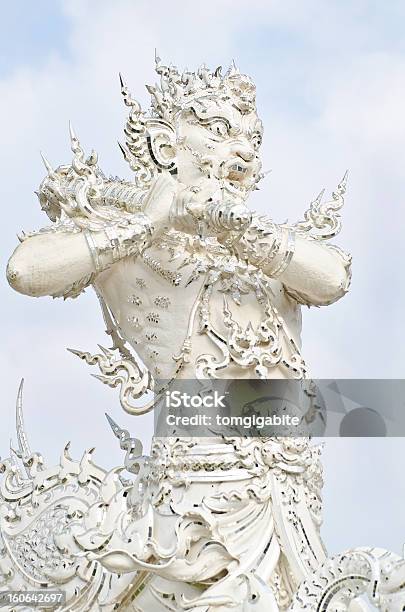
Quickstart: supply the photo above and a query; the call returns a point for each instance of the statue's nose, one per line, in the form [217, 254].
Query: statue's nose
[245, 153]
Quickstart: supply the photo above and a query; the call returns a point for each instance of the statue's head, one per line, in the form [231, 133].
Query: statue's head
[202, 124]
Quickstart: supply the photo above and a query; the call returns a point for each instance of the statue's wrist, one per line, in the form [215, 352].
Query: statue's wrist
[260, 243]
[267, 246]
[117, 241]
[284, 255]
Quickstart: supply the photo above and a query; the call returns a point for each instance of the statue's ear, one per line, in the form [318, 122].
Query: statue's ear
[161, 139]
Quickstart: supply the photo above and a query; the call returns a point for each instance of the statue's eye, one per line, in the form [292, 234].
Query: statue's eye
[219, 127]
[256, 140]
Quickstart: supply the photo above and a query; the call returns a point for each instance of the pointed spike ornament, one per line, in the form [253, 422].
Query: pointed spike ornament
[23, 445]
[80, 354]
[128, 100]
[101, 377]
[47, 165]
[92, 158]
[133, 446]
[319, 197]
[123, 151]
[75, 146]
[233, 70]
[14, 456]
[129, 157]
[111, 422]
[118, 432]
[72, 134]
[343, 182]
[264, 174]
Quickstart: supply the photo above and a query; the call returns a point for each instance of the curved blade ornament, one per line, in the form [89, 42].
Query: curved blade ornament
[134, 380]
[323, 221]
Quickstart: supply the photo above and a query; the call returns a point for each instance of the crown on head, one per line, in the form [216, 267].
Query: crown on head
[177, 89]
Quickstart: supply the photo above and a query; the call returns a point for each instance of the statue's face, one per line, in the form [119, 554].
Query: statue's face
[217, 140]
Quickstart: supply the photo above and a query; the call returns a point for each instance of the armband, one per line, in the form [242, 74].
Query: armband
[119, 240]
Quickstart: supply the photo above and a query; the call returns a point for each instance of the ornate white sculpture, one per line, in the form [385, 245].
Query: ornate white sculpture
[192, 285]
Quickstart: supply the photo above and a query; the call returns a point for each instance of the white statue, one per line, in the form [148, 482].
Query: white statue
[192, 285]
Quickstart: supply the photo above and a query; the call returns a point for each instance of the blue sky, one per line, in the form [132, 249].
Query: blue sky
[30, 32]
[331, 90]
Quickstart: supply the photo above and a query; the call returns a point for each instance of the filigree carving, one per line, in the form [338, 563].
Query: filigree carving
[322, 220]
[267, 346]
[374, 572]
[132, 378]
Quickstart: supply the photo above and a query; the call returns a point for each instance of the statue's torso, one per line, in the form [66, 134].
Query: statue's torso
[177, 303]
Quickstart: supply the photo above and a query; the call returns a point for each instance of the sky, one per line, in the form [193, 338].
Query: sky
[331, 92]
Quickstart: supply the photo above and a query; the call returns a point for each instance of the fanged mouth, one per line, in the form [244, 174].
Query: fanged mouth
[237, 173]
[241, 176]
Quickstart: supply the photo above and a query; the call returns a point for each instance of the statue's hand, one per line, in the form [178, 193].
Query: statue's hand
[195, 209]
[227, 217]
[202, 208]
[52, 193]
[159, 201]
[66, 190]
[185, 211]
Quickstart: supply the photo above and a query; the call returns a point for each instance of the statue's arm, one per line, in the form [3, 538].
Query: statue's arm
[63, 263]
[317, 274]
[313, 271]
[50, 264]
[63, 259]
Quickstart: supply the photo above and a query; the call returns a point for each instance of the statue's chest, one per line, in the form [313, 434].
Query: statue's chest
[151, 303]
[202, 314]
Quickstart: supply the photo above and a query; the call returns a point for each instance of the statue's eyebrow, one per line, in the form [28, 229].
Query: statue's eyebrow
[208, 116]
[204, 120]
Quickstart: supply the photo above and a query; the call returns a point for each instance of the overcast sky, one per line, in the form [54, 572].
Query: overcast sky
[331, 92]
